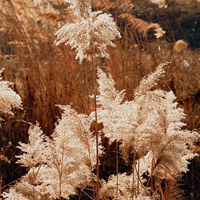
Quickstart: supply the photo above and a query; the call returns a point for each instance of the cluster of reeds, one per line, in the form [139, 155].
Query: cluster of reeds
[45, 75]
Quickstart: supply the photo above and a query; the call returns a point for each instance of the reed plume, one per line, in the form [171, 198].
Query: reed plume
[141, 26]
[91, 36]
[9, 99]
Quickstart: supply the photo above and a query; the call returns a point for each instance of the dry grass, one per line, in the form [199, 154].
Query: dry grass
[45, 75]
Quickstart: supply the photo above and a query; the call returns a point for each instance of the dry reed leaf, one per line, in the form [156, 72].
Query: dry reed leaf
[122, 5]
[141, 26]
[57, 2]
[4, 158]
[23, 3]
[39, 2]
[50, 17]
[67, 17]
[6, 7]
[179, 46]
[99, 3]
[20, 10]
[22, 7]
[28, 11]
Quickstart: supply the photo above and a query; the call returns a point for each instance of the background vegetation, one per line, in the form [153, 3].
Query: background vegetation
[44, 74]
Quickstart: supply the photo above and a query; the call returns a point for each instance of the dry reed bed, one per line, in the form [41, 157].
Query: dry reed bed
[45, 75]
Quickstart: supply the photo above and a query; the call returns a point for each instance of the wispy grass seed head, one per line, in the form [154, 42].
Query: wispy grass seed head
[9, 99]
[81, 8]
[91, 36]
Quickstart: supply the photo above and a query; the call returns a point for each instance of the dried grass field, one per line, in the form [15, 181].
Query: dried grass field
[45, 75]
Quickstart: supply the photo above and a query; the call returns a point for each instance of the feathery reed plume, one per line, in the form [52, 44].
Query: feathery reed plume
[125, 189]
[91, 36]
[33, 157]
[148, 127]
[141, 26]
[81, 8]
[148, 83]
[8, 98]
[60, 164]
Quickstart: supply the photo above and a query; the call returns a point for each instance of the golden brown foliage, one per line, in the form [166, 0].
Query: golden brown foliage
[45, 75]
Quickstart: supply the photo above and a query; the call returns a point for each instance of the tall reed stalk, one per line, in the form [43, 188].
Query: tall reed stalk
[90, 37]
[94, 70]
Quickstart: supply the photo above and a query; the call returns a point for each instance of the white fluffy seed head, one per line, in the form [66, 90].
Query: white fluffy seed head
[91, 36]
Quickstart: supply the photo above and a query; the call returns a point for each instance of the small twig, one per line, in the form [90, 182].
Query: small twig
[87, 194]
[10, 183]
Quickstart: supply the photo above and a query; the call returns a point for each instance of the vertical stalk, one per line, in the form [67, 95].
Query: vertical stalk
[161, 191]
[93, 184]
[1, 182]
[133, 191]
[60, 177]
[138, 178]
[117, 168]
[33, 185]
[94, 69]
